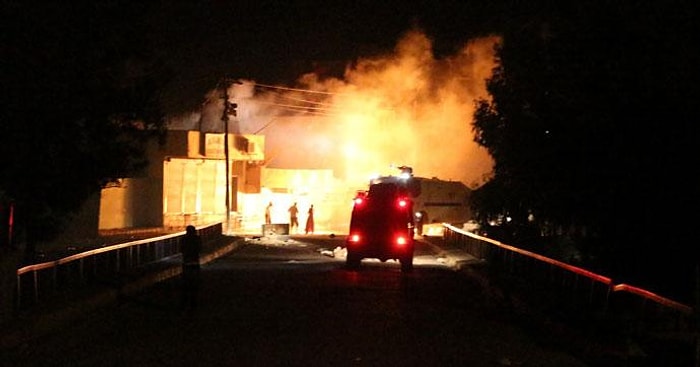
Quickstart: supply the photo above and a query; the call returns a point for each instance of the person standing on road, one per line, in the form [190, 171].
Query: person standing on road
[310, 220]
[191, 247]
[268, 213]
[293, 217]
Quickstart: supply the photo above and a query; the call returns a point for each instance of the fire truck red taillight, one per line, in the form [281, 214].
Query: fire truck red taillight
[402, 203]
[401, 240]
[355, 238]
[358, 201]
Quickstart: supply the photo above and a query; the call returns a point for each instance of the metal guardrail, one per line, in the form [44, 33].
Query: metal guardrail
[98, 267]
[577, 289]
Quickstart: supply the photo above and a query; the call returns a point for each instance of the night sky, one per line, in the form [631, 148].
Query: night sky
[272, 42]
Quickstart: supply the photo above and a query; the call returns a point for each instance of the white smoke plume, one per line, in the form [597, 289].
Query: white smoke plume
[402, 108]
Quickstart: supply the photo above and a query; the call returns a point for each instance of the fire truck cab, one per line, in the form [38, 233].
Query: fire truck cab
[381, 226]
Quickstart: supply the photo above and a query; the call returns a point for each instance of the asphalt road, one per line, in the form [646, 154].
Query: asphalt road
[290, 303]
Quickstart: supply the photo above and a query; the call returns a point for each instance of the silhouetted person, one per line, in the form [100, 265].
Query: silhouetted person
[310, 220]
[191, 246]
[293, 217]
[420, 219]
[268, 213]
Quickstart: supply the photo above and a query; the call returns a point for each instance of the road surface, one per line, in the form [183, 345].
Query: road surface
[290, 303]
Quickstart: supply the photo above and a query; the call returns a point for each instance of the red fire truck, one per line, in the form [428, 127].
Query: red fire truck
[381, 226]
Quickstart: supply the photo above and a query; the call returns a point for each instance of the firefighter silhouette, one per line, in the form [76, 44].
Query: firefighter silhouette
[310, 220]
[268, 213]
[293, 217]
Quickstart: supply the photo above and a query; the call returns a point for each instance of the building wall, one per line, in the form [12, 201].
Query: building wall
[194, 191]
[443, 201]
[185, 183]
[137, 202]
[134, 203]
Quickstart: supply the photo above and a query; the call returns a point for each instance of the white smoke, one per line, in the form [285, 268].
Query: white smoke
[402, 108]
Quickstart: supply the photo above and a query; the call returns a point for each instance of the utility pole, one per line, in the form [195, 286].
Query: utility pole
[696, 318]
[229, 109]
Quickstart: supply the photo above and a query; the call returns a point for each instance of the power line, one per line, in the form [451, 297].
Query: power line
[305, 100]
[297, 108]
[294, 89]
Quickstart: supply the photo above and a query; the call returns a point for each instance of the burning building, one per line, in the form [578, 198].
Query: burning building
[186, 184]
[318, 143]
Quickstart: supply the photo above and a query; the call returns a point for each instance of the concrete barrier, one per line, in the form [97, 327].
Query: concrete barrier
[275, 229]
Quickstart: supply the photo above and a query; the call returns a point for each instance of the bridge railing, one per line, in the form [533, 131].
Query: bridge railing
[98, 267]
[575, 291]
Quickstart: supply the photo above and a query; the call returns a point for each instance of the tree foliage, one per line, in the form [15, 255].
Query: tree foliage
[80, 99]
[590, 123]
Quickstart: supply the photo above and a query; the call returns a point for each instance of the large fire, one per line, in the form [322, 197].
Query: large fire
[402, 108]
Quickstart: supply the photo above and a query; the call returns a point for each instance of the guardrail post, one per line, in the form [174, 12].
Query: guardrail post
[36, 286]
[117, 261]
[18, 296]
[54, 277]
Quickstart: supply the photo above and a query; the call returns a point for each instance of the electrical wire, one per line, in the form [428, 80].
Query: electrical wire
[293, 89]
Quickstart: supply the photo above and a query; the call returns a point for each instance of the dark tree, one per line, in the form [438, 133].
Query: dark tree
[591, 125]
[80, 99]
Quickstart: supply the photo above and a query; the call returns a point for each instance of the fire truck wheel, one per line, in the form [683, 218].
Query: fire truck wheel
[407, 264]
[353, 261]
